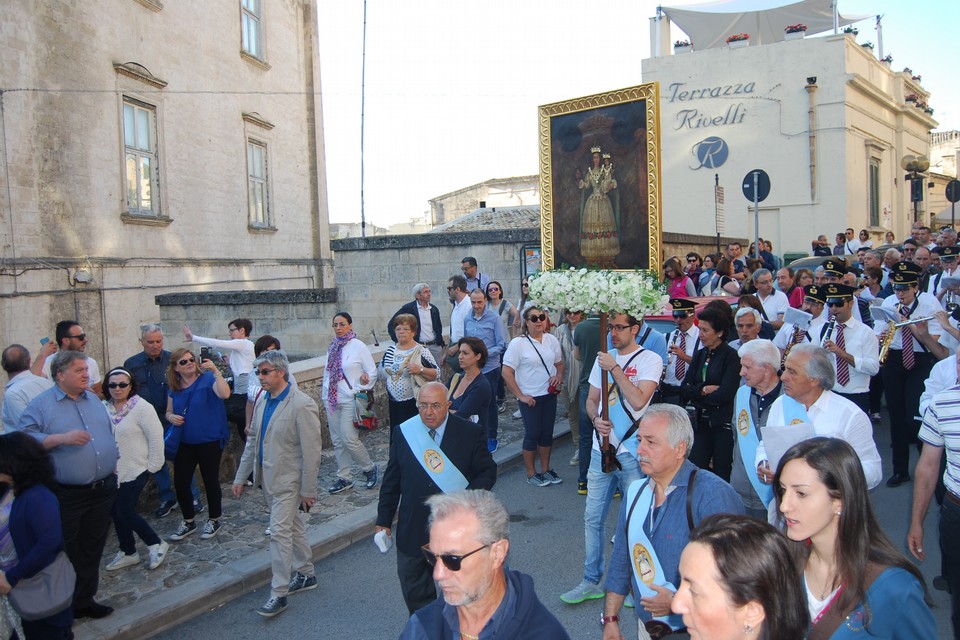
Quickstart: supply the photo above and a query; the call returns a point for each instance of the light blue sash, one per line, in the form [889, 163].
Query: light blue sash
[431, 457]
[748, 441]
[619, 417]
[643, 557]
[793, 412]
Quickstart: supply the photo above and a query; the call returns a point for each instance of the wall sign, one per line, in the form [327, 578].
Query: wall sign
[710, 152]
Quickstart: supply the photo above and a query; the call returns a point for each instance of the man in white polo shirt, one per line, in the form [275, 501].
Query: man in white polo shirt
[775, 303]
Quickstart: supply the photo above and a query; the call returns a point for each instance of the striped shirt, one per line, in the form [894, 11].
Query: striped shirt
[941, 428]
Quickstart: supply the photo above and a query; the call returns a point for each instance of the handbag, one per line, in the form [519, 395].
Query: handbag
[48, 592]
[364, 416]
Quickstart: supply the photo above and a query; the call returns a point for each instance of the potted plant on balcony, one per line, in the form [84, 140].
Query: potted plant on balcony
[917, 78]
[851, 31]
[794, 32]
[912, 97]
[867, 45]
[738, 40]
[928, 111]
[887, 60]
[682, 46]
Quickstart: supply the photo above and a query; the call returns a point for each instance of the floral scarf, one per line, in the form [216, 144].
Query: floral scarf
[116, 417]
[335, 367]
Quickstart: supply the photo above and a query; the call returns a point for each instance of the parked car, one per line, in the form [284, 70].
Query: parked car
[663, 322]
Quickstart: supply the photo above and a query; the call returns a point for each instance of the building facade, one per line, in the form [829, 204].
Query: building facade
[823, 117]
[498, 192]
[152, 148]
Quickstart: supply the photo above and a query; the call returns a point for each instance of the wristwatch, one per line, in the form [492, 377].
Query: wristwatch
[605, 620]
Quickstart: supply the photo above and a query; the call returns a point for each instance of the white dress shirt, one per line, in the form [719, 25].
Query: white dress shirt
[460, 312]
[927, 305]
[785, 333]
[861, 343]
[692, 344]
[834, 416]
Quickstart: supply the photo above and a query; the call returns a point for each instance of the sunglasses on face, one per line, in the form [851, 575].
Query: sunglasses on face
[265, 372]
[680, 315]
[122, 385]
[79, 336]
[493, 289]
[450, 561]
[537, 318]
[185, 361]
[835, 303]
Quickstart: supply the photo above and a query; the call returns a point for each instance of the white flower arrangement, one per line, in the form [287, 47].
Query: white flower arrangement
[637, 293]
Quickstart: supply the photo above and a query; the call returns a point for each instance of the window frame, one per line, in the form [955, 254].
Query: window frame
[139, 154]
[252, 16]
[260, 183]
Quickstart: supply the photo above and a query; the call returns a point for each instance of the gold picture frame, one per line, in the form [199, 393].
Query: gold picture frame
[598, 211]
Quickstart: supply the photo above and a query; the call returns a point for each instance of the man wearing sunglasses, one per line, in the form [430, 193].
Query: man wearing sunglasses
[853, 347]
[684, 342]
[469, 543]
[70, 336]
[283, 453]
[436, 452]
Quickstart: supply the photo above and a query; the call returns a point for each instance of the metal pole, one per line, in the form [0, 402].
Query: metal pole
[716, 209]
[953, 207]
[363, 98]
[756, 215]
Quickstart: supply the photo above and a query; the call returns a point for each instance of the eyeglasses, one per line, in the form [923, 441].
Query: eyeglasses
[79, 336]
[680, 315]
[232, 329]
[537, 318]
[450, 561]
[618, 327]
[433, 406]
[185, 361]
[691, 260]
[122, 385]
[493, 288]
[265, 372]
[835, 303]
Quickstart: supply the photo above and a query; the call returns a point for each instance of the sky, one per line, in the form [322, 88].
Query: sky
[452, 87]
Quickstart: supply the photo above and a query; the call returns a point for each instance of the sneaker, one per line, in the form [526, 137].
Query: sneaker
[267, 532]
[165, 508]
[875, 417]
[158, 553]
[584, 591]
[197, 506]
[552, 477]
[123, 560]
[340, 486]
[301, 582]
[185, 529]
[538, 480]
[492, 445]
[582, 488]
[210, 529]
[516, 414]
[575, 460]
[501, 406]
[372, 477]
[273, 607]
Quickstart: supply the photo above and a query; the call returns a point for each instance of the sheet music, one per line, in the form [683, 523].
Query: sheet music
[798, 318]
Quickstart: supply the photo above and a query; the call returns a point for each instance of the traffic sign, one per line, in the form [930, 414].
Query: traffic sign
[953, 190]
[756, 178]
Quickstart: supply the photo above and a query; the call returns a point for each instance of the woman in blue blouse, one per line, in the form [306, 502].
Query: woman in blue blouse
[857, 584]
[471, 395]
[195, 405]
[31, 535]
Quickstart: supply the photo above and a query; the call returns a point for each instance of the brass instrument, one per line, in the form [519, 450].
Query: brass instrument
[887, 340]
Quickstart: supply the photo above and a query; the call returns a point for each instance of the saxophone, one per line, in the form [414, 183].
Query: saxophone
[795, 339]
[887, 340]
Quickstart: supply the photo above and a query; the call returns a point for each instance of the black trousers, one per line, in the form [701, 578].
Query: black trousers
[862, 400]
[207, 456]
[902, 389]
[416, 581]
[85, 518]
[236, 406]
[713, 443]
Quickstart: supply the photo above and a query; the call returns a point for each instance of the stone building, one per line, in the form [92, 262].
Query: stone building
[498, 192]
[153, 147]
[824, 117]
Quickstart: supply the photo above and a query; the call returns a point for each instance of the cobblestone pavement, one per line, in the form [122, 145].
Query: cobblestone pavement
[244, 521]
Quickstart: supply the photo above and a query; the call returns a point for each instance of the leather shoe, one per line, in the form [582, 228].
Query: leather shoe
[93, 610]
[897, 479]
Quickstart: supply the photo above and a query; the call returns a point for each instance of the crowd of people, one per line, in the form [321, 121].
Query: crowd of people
[741, 443]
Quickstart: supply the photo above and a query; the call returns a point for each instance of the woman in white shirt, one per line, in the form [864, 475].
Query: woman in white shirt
[533, 371]
[139, 436]
[349, 369]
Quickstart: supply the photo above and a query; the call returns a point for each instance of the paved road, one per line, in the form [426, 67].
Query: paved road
[359, 595]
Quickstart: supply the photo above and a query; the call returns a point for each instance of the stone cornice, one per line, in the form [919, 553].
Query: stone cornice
[256, 119]
[138, 72]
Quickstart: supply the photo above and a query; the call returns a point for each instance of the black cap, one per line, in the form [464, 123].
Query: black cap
[814, 292]
[947, 252]
[684, 305]
[835, 267]
[905, 274]
[836, 291]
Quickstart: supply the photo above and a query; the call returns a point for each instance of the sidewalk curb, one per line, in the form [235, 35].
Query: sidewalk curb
[195, 597]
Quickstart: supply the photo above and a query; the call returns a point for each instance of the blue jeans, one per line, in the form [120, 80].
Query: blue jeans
[493, 419]
[165, 485]
[586, 434]
[127, 521]
[600, 489]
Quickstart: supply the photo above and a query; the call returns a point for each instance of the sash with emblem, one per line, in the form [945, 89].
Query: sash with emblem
[747, 442]
[793, 412]
[643, 558]
[431, 457]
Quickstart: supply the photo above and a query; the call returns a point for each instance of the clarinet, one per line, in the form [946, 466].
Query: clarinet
[831, 325]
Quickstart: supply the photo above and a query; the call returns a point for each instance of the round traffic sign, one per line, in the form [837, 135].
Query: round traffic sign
[953, 190]
[760, 179]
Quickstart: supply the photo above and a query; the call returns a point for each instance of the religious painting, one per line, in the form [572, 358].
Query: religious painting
[600, 180]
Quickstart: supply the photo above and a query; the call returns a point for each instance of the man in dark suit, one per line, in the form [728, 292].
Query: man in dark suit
[430, 329]
[419, 468]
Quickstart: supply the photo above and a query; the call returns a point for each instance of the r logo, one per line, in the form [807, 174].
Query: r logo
[711, 152]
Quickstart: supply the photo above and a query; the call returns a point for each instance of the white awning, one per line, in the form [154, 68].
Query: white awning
[709, 25]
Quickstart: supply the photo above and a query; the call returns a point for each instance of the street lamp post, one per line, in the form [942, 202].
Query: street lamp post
[915, 166]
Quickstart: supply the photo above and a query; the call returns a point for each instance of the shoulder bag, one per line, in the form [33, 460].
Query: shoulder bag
[47, 593]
